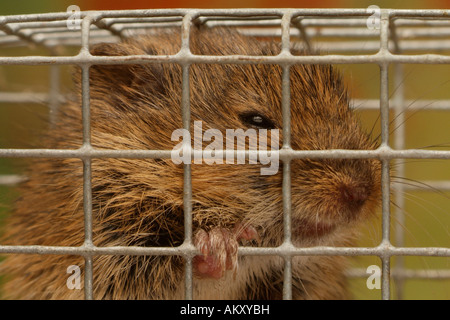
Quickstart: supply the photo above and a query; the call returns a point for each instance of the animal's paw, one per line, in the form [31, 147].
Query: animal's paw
[219, 249]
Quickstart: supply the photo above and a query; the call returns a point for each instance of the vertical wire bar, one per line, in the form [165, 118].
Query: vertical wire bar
[87, 206]
[87, 163]
[298, 22]
[286, 110]
[286, 189]
[187, 187]
[53, 102]
[385, 189]
[384, 78]
[399, 144]
[187, 176]
[286, 185]
[385, 164]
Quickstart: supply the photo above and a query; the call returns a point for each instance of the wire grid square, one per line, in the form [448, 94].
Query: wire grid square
[393, 43]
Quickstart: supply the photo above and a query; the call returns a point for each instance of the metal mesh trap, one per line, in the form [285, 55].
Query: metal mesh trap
[384, 38]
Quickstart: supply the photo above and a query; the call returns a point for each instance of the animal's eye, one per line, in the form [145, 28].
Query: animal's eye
[254, 119]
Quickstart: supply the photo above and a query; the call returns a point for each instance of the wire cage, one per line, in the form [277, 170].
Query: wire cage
[379, 37]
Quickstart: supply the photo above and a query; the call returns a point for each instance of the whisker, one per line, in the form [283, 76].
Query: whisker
[390, 97]
[403, 226]
[408, 74]
[408, 107]
[374, 233]
[409, 116]
[410, 161]
[434, 89]
[441, 145]
[430, 203]
[414, 199]
[419, 183]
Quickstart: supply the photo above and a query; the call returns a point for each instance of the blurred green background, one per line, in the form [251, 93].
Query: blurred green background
[427, 213]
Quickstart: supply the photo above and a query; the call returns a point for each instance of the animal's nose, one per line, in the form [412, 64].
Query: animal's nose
[354, 194]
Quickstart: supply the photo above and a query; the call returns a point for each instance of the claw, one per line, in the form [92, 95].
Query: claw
[219, 252]
[246, 233]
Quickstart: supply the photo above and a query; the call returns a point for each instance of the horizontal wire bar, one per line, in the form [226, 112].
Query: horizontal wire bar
[360, 104]
[284, 154]
[313, 32]
[243, 21]
[432, 274]
[425, 105]
[183, 250]
[335, 47]
[11, 179]
[432, 13]
[187, 58]
[93, 250]
[27, 97]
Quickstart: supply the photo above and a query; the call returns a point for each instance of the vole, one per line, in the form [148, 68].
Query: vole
[139, 202]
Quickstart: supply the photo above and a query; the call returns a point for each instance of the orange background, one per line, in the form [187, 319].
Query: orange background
[41, 6]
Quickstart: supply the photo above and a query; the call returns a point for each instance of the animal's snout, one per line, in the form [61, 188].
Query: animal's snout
[354, 194]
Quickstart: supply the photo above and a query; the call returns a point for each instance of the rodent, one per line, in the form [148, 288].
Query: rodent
[139, 202]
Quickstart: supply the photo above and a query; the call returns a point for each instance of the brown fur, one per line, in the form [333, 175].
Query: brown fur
[139, 202]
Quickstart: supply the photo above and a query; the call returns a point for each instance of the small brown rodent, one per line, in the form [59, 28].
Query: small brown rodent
[139, 202]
